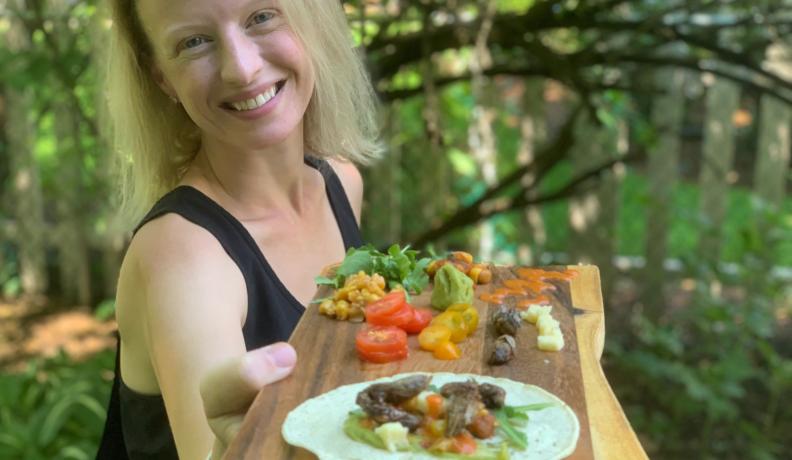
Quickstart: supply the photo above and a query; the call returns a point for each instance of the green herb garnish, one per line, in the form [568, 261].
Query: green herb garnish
[511, 434]
[399, 267]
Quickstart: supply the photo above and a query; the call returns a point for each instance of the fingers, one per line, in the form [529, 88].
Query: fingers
[230, 388]
[225, 429]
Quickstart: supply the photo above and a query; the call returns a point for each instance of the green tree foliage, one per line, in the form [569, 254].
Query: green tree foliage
[710, 378]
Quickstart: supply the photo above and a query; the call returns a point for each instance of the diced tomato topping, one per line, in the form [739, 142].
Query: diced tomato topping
[421, 318]
[464, 443]
[482, 426]
[434, 405]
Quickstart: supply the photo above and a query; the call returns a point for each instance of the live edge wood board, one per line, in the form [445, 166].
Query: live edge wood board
[327, 359]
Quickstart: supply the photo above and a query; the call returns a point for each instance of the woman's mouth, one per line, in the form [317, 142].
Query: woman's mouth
[257, 101]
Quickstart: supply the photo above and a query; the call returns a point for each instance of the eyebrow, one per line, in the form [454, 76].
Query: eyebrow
[178, 27]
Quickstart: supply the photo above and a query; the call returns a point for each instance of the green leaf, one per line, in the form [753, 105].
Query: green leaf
[323, 280]
[512, 435]
[462, 162]
[529, 407]
[355, 262]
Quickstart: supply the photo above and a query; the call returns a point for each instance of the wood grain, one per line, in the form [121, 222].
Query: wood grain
[611, 433]
[327, 359]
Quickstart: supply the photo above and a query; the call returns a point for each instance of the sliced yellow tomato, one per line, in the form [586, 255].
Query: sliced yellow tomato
[469, 314]
[455, 322]
[447, 350]
[433, 335]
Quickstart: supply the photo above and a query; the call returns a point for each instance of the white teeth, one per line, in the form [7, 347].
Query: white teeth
[255, 102]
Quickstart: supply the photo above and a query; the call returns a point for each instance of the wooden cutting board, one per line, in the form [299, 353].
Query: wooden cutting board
[327, 359]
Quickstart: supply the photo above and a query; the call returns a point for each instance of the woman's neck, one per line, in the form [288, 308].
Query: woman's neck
[253, 184]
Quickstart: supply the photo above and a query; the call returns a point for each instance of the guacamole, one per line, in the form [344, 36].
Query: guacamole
[451, 286]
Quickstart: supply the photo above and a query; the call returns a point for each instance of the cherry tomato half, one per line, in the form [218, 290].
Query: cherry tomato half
[391, 310]
[421, 319]
[378, 339]
[432, 336]
[455, 322]
[447, 350]
[469, 314]
[383, 357]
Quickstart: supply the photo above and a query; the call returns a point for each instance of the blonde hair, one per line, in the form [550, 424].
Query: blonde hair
[155, 139]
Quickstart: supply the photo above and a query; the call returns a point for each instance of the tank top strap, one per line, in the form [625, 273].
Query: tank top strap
[339, 202]
[193, 205]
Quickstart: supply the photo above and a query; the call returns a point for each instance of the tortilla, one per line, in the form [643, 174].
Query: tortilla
[317, 424]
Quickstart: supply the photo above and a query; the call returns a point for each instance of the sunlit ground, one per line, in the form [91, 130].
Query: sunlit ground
[25, 333]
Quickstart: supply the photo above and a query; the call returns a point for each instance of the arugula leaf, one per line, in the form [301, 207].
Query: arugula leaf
[398, 266]
[417, 279]
[354, 262]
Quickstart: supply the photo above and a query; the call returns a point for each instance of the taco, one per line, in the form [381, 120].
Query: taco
[434, 415]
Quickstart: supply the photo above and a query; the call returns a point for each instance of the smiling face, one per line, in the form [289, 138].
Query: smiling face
[235, 65]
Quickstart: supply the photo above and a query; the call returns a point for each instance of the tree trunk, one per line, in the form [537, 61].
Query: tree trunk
[436, 194]
[772, 164]
[716, 165]
[533, 133]
[75, 270]
[662, 172]
[592, 215]
[481, 138]
[393, 181]
[382, 194]
[26, 194]
[110, 238]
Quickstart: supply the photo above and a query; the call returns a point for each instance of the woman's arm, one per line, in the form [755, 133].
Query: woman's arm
[192, 316]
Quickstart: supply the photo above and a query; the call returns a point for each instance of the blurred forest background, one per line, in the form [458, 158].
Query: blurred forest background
[651, 138]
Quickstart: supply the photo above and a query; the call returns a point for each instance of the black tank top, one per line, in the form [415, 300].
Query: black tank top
[137, 425]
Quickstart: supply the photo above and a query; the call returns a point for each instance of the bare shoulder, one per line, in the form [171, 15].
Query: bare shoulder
[172, 239]
[172, 252]
[175, 269]
[350, 178]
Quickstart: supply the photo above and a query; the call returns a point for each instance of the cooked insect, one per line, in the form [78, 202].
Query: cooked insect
[506, 321]
[505, 346]
[492, 396]
[379, 400]
[464, 402]
[400, 390]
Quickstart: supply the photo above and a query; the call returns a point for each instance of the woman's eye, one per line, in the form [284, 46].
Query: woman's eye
[193, 42]
[260, 18]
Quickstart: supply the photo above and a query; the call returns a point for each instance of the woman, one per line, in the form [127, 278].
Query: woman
[240, 119]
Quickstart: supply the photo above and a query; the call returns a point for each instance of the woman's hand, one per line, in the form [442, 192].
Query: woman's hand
[229, 389]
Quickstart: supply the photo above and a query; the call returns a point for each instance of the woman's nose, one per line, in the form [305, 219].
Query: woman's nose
[241, 59]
